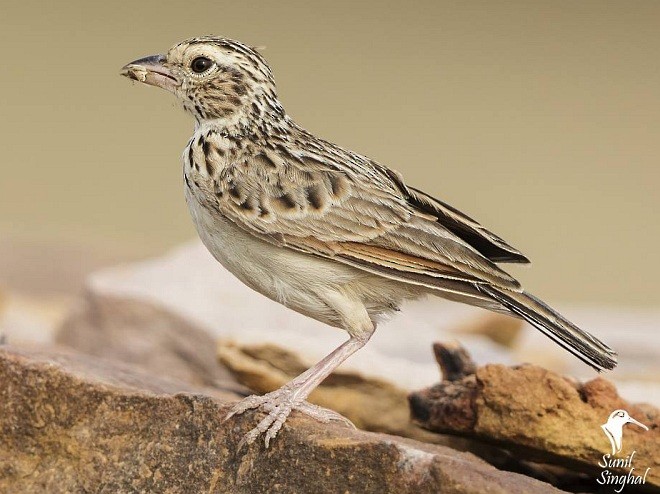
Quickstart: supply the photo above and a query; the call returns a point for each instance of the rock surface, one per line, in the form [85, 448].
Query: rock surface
[538, 415]
[145, 335]
[73, 423]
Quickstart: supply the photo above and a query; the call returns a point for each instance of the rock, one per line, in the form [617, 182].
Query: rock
[454, 361]
[142, 334]
[75, 423]
[540, 416]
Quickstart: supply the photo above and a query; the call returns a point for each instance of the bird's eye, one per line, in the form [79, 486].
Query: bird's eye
[201, 64]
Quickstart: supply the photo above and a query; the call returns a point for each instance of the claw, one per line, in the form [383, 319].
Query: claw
[275, 427]
[248, 439]
[246, 404]
[278, 405]
[323, 415]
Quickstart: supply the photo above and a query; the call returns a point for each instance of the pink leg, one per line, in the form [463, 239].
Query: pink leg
[292, 395]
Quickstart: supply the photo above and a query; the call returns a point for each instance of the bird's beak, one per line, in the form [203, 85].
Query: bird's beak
[152, 71]
[633, 421]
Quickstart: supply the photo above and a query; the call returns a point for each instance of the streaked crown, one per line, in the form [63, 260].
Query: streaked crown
[219, 78]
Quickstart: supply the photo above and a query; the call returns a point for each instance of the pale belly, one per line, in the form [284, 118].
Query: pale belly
[302, 282]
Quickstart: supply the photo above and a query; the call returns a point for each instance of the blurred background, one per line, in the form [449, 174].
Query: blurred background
[541, 120]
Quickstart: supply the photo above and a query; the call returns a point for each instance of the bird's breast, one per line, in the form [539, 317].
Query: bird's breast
[208, 153]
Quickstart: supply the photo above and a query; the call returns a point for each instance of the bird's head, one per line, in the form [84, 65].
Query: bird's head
[215, 79]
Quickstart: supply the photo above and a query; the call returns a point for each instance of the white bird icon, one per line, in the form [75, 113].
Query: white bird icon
[613, 428]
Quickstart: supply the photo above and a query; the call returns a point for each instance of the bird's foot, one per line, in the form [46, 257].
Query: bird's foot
[278, 405]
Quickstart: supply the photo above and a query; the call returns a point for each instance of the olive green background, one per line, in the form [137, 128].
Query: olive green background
[540, 119]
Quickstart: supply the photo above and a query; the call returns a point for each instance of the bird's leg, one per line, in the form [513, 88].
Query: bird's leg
[291, 396]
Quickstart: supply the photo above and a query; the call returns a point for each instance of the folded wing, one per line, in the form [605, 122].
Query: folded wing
[360, 214]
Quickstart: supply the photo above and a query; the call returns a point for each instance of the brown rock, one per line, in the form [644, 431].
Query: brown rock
[541, 416]
[144, 335]
[454, 361]
[72, 423]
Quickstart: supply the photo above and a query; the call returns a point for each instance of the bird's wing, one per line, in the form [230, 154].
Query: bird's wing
[356, 214]
[487, 243]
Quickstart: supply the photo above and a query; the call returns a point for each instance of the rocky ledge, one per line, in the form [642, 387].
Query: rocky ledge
[541, 417]
[78, 423]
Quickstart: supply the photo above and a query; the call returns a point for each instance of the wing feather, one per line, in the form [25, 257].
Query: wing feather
[355, 214]
[487, 243]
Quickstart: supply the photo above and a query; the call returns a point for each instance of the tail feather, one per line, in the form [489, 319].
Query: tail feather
[584, 346]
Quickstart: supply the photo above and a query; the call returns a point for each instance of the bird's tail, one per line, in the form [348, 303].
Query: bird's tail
[584, 346]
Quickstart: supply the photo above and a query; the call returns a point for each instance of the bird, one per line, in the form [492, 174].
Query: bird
[324, 231]
[613, 428]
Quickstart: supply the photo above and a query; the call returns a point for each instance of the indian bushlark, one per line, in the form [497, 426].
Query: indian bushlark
[322, 230]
